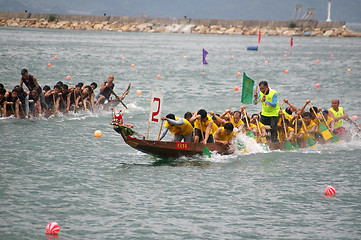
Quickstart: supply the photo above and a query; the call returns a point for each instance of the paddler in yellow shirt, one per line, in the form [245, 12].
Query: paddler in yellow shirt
[311, 126]
[203, 125]
[234, 118]
[180, 127]
[224, 135]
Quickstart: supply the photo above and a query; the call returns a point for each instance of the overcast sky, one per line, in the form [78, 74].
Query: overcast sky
[342, 10]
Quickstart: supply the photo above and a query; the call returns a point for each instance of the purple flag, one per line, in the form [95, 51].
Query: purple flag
[204, 56]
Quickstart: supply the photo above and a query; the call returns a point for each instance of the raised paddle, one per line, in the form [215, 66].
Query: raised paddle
[288, 145]
[310, 141]
[206, 151]
[324, 130]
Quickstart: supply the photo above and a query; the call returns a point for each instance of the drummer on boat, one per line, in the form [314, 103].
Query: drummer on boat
[336, 112]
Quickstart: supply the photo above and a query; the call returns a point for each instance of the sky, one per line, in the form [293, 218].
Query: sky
[342, 10]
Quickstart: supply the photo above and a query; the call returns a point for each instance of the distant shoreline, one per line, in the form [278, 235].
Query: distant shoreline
[176, 25]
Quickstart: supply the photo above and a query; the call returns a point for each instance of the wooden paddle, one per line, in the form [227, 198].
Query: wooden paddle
[249, 133]
[324, 130]
[295, 144]
[160, 130]
[310, 141]
[263, 139]
[288, 145]
[353, 123]
[334, 138]
[206, 151]
[123, 95]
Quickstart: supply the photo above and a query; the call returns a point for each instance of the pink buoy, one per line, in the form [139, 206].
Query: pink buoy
[159, 76]
[330, 190]
[354, 117]
[317, 61]
[286, 71]
[317, 85]
[49, 64]
[238, 74]
[68, 77]
[285, 55]
[55, 57]
[52, 228]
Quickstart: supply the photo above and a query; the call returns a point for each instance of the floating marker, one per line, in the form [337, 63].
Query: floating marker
[98, 134]
[49, 64]
[52, 228]
[354, 117]
[238, 74]
[185, 57]
[317, 61]
[330, 191]
[132, 65]
[55, 57]
[232, 57]
[265, 62]
[285, 55]
[252, 48]
[139, 92]
[349, 70]
[236, 88]
[123, 57]
[286, 71]
[68, 77]
[317, 85]
[331, 55]
[159, 76]
[203, 73]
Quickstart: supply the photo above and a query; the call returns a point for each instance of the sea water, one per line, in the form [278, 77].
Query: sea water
[55, 170]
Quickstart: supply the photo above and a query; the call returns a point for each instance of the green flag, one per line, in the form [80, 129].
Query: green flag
[247, 89]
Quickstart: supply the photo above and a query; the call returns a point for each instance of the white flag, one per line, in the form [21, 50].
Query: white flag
[156, 100]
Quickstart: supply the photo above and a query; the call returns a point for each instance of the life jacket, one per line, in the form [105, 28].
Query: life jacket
[183, 129]
[267, 110]
[339, 123]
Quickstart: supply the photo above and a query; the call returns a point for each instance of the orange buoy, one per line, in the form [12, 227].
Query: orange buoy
[317, 61]
[132, 65]
[98, 134]
[49, 64]
[348, 69]
[286, 71]
[236, 88]
[185, 57]
[159, 76]
[55, 57]
[238, 74]
[139, 92]
[68, 77]
[265, 62]
[331, 55]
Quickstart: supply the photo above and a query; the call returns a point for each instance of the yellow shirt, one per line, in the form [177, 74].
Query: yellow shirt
[308, 127]
[183, 129]
[203, 125]
[281, 133]
[236, 125]
[337, 114]
[224, 137]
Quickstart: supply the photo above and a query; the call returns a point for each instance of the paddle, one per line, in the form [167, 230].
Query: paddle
[295, 144]
[249, 133]
[288, 145]
[324, 130]
[123, 95]
[353, 123]
[310, 141]
[334, 138]
[263, 139]
[206, 151]
[160, 130]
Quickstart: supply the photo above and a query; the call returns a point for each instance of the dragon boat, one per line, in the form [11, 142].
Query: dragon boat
[165, 149]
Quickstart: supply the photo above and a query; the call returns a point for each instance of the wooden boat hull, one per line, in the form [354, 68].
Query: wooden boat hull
[167, 149]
